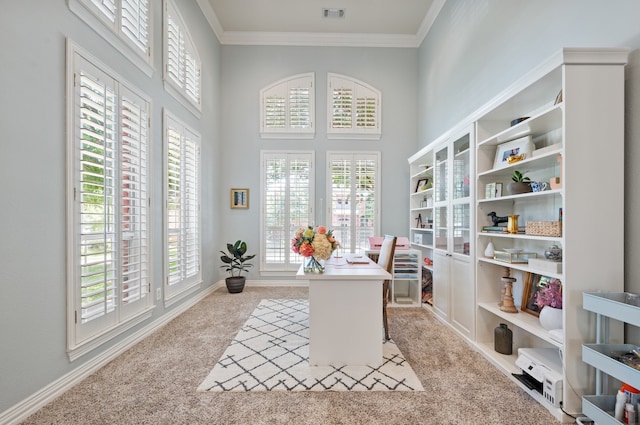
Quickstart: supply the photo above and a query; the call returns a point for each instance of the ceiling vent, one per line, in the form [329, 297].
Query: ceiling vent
[333, 13]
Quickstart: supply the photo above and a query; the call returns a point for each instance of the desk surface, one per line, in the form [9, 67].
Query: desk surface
[340, 269]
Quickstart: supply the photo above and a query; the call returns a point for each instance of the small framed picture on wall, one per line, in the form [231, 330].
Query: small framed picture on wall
[240, 198]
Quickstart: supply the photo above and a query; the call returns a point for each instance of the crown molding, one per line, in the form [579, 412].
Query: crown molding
[249, 38]
[318, 39]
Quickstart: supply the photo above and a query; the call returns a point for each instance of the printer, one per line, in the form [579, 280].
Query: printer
[542, 371]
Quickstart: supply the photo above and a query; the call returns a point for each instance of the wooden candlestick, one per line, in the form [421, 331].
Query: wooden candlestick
[506, 304]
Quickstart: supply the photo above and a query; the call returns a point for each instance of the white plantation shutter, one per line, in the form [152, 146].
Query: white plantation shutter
[135, 22]
[287, 204]
[97, 280]
[182, 67]
[134, 200]
[108, 8]
[128, 19]
[353, 193]
[182, 176]
[108, 244]
[287, 108]
[353, 109]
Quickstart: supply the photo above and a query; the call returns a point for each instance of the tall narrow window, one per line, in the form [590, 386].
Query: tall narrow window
[353, 193]
[287, 108]
[128, 20]
[182, 216]
[109, 227]
[287, 204]
[353, 109]
[182, 65]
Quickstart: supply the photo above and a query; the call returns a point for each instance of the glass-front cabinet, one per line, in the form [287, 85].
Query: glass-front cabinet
[453, 274]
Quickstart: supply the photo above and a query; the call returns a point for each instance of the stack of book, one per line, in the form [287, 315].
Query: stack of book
[500, 229]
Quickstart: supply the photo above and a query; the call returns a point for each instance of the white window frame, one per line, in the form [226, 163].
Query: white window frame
[178, 284]
[182, 67]
[363, 96]
[352, 192]
[288, 89]
[83, 332]
[112, 29]
[292, 260]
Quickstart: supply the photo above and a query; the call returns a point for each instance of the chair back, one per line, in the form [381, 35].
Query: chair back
[387, 251]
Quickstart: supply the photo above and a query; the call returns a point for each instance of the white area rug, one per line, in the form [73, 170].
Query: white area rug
[271, 353]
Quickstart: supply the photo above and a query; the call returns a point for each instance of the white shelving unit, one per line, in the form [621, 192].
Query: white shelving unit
[406, 285]
[572, 107]
[623, 308]
[592, 110]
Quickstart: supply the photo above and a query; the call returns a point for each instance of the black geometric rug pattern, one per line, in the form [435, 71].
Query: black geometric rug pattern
[271, 353]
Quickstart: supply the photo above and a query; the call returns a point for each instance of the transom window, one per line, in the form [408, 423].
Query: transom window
[182, 65]
[128, 20]
[287, 108]
[353, 109]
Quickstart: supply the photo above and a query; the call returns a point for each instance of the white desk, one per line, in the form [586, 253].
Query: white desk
[345, 313]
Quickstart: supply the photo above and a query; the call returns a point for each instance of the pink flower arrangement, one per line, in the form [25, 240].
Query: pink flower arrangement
[318, 243]
[550, 295]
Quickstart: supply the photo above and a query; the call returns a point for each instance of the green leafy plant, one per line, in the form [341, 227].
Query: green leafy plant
[235, 260]
[519, 177]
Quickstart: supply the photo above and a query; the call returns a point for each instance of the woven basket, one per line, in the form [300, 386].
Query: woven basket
[544, 228]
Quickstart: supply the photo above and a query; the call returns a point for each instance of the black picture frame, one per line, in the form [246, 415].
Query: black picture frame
[421, 182]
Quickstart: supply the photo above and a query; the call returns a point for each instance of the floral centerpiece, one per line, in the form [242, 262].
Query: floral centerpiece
[314, 244]
[549, 299]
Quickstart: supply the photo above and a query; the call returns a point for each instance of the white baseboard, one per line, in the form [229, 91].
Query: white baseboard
[39, 399]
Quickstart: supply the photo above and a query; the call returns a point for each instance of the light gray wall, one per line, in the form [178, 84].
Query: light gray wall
[245, 70]
[32, 169]
[477, 48]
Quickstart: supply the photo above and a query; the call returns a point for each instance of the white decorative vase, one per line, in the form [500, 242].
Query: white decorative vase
[490, 250]
[551, 318]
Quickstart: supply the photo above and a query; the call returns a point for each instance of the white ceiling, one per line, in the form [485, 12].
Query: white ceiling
[391, 23]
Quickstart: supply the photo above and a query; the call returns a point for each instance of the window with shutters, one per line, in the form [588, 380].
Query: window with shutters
[128, 20]
[182, 65]
[287, 194]
[353, 191]
[108, 244]
[287, 108]
[353, 109]
[182, 213]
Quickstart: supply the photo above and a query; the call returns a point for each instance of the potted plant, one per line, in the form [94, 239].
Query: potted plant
[520, 183]
[235, 262]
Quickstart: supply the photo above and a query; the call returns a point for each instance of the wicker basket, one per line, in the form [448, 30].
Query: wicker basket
[544, 228]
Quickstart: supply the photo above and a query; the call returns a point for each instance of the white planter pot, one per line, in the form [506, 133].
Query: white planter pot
[551, 318]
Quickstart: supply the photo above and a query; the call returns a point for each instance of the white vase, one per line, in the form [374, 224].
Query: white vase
[551, 318]
[490, 250]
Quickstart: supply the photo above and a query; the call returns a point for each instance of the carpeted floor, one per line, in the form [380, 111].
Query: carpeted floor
[155, 382]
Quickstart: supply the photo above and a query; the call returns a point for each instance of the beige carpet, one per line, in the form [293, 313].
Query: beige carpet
[154, 382]
[271, 353]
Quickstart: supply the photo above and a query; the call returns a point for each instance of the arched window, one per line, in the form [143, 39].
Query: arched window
[287, 108]
[353, 109]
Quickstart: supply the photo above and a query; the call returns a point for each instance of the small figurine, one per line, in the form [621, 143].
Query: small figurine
[496, 219]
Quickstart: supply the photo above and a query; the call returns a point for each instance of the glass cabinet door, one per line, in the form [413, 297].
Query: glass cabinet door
[461, 191]
[461, 228]
[441, 195]
[441, 228]
[442, 175]
[461, 162]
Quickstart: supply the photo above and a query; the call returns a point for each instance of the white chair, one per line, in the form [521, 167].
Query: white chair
[385, 260]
